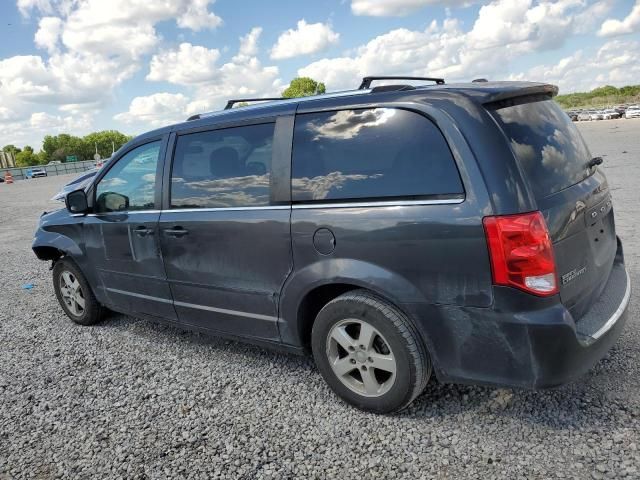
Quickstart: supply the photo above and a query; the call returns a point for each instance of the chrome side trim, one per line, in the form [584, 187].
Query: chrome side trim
[237, 313]
[619, 311]
[126, 212]
[138, 295]
[226, 209]
[391, 203]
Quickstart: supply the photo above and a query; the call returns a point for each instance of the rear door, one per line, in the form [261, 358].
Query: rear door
[225, 232]
[573, 197]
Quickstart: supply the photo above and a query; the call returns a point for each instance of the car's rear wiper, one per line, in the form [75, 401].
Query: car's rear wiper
[595, 161]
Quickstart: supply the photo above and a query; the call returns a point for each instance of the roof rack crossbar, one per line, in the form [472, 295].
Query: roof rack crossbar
[231, 103]
[366, 81]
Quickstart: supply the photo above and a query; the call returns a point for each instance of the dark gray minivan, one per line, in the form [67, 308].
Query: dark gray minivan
[461, 230]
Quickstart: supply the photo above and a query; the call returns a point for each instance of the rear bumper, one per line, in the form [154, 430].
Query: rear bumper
[534, 348]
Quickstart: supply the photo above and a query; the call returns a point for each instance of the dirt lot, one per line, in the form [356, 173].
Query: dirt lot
[133, 399]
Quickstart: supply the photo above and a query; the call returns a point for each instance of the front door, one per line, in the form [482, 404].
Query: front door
[226, 246]
[121, 236]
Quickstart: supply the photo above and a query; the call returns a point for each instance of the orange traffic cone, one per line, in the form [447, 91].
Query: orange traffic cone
[8, 178]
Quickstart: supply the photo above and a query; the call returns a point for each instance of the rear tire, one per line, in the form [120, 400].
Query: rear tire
[369, 352]
[74, 294]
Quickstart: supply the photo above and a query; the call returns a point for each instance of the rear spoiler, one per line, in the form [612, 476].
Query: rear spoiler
[518, 96]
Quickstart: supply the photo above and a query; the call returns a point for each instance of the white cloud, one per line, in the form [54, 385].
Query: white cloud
[93, 46]
[31, 129]
[25, 6]
[249, 42]
[48, 33]
[305, 39]
[397, 8]
[156, 110]
[630, 24]
[64, 78]
[195, 67]
[56, 123]
[198, 17]
[399, 51]
[614, 63]
[187, 65]
[504, 30]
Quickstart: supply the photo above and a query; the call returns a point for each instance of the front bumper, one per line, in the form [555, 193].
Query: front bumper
[513, 344]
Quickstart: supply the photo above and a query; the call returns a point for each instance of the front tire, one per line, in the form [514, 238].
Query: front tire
[369, 352]
[74, 294]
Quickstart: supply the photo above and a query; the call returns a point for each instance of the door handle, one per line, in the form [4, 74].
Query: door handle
[176, 232]
[143, 231]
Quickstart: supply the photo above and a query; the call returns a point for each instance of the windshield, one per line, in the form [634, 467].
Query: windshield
[546, 144]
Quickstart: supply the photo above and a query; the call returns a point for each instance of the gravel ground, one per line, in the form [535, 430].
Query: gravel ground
[133, 399]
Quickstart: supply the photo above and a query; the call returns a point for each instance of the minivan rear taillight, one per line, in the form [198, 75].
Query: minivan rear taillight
[521, 253]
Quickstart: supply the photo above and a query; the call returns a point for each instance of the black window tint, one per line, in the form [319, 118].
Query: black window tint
[223, 168]
[370, 153]
[130, 184]
[547, 146]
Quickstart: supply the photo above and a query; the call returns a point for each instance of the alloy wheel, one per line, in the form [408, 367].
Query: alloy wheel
[361, 357]
[72, 293]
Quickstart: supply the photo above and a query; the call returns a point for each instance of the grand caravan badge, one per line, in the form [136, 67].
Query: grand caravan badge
[576, 272]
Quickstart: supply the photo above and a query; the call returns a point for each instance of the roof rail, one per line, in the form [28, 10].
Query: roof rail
[231, 103]
[366, 81]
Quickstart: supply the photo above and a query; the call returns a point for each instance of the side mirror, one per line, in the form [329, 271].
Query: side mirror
[76, 202]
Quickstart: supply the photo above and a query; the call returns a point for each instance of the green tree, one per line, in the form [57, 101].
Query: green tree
[107, 142]
[41, 158]
[26, 157]
[58, 147]
[303, 87]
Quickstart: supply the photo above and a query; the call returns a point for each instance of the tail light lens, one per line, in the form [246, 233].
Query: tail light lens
[521, 253]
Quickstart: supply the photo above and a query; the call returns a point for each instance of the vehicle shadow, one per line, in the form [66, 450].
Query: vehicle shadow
[585, 403]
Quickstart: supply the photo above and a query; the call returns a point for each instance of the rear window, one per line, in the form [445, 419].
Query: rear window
[546, 144]
[370, 154]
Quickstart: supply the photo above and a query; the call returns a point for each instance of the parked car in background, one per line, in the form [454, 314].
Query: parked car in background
[385, 230]
[632, 112]
[583, 116]
[573, 116]
[610, 114]
[38, 172]
[595, 115]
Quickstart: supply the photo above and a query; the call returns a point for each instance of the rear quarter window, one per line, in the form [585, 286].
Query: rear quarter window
[377, 153]
[547, 146]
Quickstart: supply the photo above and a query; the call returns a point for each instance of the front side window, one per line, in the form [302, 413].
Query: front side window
[370, 154]
[223, 168]
[131, 183]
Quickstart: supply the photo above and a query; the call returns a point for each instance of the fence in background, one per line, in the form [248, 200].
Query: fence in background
[20, 173]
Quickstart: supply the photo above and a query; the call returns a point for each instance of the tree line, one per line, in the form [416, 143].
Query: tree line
[602, 96]
[56, 148]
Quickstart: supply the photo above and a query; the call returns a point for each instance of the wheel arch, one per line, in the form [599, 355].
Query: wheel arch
[309, 289]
